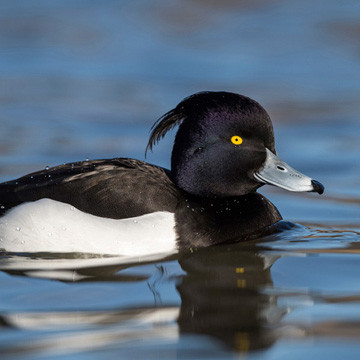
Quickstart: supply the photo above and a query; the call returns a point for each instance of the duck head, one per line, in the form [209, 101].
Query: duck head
[225, 147]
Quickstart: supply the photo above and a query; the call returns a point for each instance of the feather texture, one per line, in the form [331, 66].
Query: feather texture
[162, 126]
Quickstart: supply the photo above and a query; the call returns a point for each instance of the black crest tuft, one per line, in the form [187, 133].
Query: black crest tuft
[174, 117]
[163, 125]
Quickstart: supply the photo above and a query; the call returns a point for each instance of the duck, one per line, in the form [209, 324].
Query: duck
[223, 152]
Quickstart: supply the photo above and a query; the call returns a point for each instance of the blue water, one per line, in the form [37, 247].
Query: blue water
[86, 79]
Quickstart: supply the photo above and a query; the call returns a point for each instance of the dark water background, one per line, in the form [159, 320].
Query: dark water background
[86, 79]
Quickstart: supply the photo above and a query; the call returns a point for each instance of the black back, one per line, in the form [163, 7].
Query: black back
[116, 188]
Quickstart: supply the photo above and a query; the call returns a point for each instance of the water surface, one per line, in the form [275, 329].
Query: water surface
[86, 79]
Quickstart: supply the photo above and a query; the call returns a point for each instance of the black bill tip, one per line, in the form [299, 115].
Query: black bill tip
[317, 187]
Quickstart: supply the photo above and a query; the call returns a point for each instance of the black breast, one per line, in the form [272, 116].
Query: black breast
[203, 222]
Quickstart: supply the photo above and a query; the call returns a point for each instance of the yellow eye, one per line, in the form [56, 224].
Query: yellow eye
[236, 140]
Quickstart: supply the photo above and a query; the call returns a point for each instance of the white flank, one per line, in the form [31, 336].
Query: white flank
[51, 226]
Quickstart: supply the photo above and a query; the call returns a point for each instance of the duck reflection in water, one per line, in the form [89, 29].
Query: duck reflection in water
[223, 296]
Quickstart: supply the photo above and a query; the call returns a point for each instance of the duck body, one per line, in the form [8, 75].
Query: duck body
[223, 152]
[58, 203]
